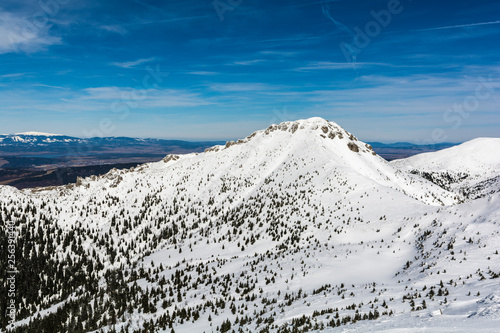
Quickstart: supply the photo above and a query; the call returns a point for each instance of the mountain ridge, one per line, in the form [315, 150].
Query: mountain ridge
[342, 150]
[67, 146]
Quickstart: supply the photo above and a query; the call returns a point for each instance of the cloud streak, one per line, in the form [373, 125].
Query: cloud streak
[132, 64]
[460, 26]
[151, 98]
[114, 28]
[204, 73]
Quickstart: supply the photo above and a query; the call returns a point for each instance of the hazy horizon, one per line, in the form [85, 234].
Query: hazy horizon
[229, 139]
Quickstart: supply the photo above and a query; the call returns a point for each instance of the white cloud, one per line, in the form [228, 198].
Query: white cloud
[49, 86]
[280, 53]
[327, 65]
[104, 93]
[151, 98]
[247, 62]
[115, 28]
[202, 73]
[19, 34]
[12, 75]
[240, 87]
[131, 64]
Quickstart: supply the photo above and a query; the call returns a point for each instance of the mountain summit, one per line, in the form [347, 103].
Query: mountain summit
[308, 145]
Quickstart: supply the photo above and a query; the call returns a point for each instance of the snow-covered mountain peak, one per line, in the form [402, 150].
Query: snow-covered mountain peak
[38, 134]
[286, 152]
[313, 131]
[315, 125]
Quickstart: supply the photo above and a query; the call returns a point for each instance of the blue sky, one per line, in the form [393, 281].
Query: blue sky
[419, 71]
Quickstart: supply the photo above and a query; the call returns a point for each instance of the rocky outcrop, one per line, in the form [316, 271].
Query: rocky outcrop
[354, 147]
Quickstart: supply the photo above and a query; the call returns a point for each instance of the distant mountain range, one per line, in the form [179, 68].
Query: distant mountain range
[54, 143]
[44, 151]
[62, 146]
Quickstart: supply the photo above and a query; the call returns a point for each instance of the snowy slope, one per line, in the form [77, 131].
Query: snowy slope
[298, 226]
[471, 167]
[476, 157]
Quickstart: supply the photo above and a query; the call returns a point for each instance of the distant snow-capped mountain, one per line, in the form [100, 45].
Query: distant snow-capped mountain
[37, 134]
[32, 138]
[298, 227]
[47, 143]
[35, 142]
[471, 168]
[46, 139]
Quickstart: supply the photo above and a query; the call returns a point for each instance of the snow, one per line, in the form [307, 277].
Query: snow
[475, 156]
[38, 134]
[369, 229]
[479, 158]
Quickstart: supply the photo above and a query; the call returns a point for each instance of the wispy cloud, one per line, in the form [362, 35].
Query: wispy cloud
[146, 5]
[115, 28]
[207, 73]
[131, 64]
[280, 53]
[176, 19]
[461, 26]
[246, 62]
[294, 41]
[18, 34]
[327, 65]
[314, 3]
[48, 86]
[98, 100]
[152, 98]
[12, 75]
[242, 87]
